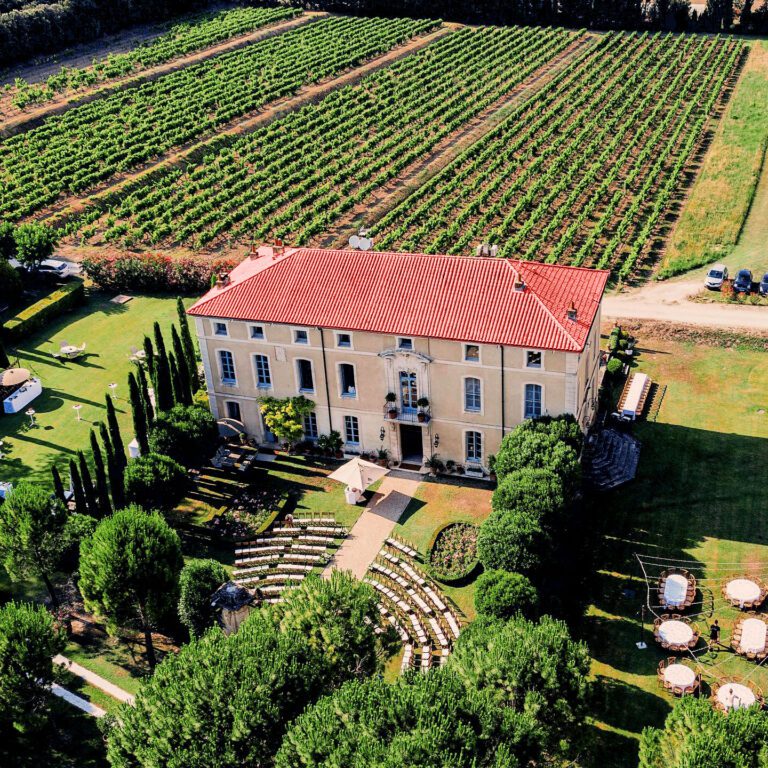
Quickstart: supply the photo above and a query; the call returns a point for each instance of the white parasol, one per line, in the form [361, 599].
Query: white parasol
[358, 474]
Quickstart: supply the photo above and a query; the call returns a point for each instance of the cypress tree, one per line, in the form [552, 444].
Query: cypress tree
[178, 388]
[163, 383]
[102, 488]
[185, 387]
[188, 344]
[88, 489]
[115, 438]
[149, 356]
[115, 473]
[149, 409]
[139, 414]
[4, 361]
[58, 486]
[104, 435]
[81, 505]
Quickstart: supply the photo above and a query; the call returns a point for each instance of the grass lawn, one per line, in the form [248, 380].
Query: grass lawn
[700, 496]
[713, 215]
[434, 505]
[109, 330]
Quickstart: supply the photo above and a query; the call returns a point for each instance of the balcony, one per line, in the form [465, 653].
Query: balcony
[407, 415]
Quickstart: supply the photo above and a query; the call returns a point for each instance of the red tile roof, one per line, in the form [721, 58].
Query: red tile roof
[408, 294]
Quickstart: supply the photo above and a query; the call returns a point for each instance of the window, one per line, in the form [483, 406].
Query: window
[472, 396]
[474, 446]
[472, 353]
[532, 359]
[344, 340]
[409, 392]
[263, 375]
[404, 343]
[300, 337]
[532, 408]
[220, 329]
[351, 429]
[233, 410]
[347, 380]
[310, 426]
[227, 367]
[306, 379]
[257, 331]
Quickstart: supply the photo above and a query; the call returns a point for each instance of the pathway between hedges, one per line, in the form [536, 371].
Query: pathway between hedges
[93, 679]
[369, 533]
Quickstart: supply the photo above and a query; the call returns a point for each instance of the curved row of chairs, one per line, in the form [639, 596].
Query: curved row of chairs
[414, 605]
[282, 556]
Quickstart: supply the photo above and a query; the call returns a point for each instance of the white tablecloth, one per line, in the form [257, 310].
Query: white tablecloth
[742, 591]
[675, 589]
[735, 696]
[675, 632]
[679, 674]
[753, 636]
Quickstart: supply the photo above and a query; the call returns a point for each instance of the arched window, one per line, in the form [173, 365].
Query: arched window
[472, 394]
[532, 409]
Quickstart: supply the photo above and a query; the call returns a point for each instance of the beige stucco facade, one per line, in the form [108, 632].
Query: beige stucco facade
[435, 369]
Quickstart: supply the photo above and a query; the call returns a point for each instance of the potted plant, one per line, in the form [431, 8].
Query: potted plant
[434, 464]
[423, 404]
[459, 469]
[391, 399]
[335, 443]
[383, 457]
[450, 465]
[492, 467]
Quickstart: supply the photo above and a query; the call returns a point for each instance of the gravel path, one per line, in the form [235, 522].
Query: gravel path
[95, 680]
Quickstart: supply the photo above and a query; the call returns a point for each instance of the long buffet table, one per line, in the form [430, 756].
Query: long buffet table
[23, 396]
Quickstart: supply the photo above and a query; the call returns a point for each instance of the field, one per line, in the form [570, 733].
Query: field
[698, 497]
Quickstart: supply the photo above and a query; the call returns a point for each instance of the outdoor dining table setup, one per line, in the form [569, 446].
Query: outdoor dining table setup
[745, 592]
[732, 694]
[677, 589]
[750, 638]
[678, 678]
[675, 633]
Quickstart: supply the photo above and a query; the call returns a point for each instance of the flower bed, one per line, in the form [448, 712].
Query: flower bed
[250, 513]
[453, 552]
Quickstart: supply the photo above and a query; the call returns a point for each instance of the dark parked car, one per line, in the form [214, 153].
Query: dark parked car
[743, 281]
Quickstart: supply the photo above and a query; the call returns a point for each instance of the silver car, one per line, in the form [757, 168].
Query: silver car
[716, 276]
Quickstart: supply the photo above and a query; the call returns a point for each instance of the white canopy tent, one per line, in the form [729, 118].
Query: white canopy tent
[357, 475]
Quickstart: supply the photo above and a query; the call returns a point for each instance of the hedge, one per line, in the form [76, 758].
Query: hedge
[69, 295]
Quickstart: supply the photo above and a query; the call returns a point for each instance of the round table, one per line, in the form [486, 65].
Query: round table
[69, 350]
[675, 589]
[680, 676]
[742, 591]
[675, 632]
[753, 635]
[735, 696]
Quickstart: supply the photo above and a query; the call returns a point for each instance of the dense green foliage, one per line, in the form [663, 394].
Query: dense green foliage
[225, 701]
[185, 433]
[429, 721]
[284, 416]
[155, 481]
[696, 734]
[33, 534]
[531, 668]
[198, 581]
[10, 283]
[129, 571]
[501, 595]
[537, 490]
[39, 314]
[513, 541]
[28, 642]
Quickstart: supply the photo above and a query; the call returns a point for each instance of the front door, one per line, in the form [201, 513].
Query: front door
[411, 446]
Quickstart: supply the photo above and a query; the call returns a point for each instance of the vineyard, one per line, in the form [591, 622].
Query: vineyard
[70, 152]
[181, 39]
[296, 176]
[584, 171]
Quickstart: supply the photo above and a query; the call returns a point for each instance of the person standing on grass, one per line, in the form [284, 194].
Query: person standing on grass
[714, 634]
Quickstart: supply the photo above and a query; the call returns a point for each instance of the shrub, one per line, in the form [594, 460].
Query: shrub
[614, 366]
[186, 433]
[10, 283]
[198, 581]
[155, 481]
[34, 243]
[512, 541]
[69, 295]
[154, 272]
[453, 551]
[538, 491]
[502, 595]
[523, 449]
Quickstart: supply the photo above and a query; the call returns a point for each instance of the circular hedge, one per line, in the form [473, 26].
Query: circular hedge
[453, 551]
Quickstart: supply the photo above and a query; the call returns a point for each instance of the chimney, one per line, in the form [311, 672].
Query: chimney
[571, 312]
[222, 280]
[279, 248]
[519, 283]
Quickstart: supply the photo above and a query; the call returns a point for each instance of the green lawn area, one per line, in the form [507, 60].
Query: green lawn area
[700, 496]
[712, 218]
[434, 505]
[109, 330]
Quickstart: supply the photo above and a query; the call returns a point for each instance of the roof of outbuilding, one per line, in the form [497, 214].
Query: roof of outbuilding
[469, 299]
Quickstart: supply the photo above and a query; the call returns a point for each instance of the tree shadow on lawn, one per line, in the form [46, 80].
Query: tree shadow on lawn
[609, 749]
[622, 706]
